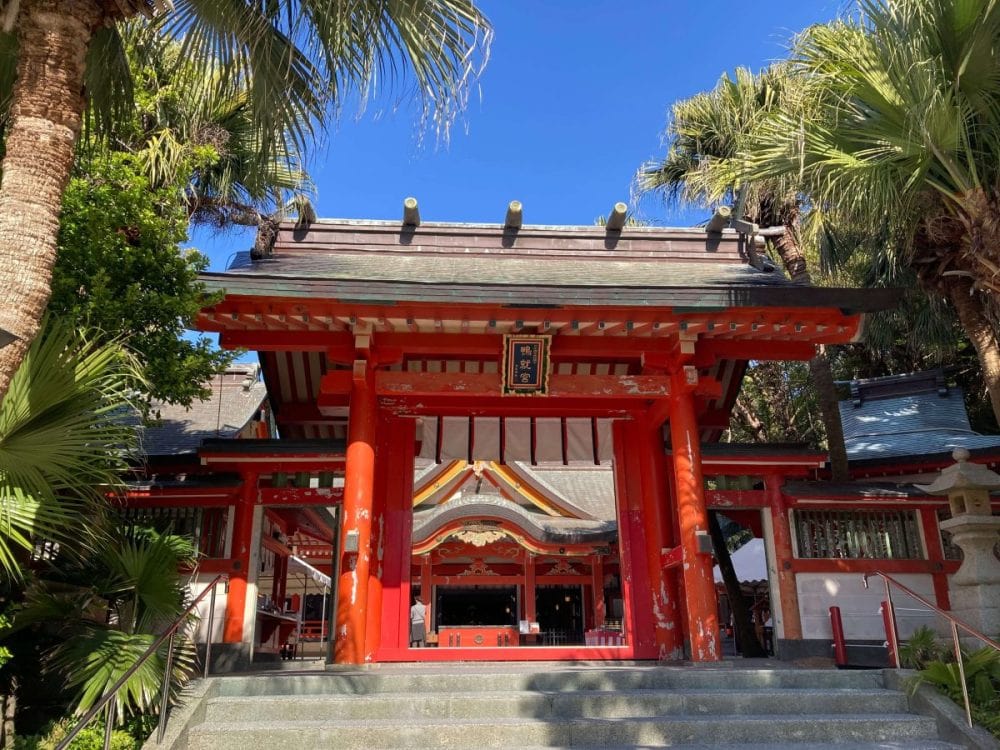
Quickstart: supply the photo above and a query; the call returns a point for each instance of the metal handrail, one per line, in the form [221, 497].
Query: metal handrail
[893, 637]
[169, 633]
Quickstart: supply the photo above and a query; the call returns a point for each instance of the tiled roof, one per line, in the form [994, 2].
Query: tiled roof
[381, 262]
[237, 394]
[914, 424]
[592, 490]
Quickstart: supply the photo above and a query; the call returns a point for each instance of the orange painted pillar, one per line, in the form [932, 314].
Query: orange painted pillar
[373, 627]
[646, 443]
[279, 583]
[791, 619]
[699, 584]
[426, 587]
[935, 553]
[597, 584]
[236, 600]
[355, 532]
[396, 562]
[529, 588]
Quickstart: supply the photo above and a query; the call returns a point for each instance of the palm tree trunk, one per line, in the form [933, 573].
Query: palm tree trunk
[829, 407]
[792, 257]
[976, 324]
[45, 117]
[794, 261]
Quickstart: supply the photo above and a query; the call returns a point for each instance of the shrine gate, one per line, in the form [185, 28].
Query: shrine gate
[477, 352]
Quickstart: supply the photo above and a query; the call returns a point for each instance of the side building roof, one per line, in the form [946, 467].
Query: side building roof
[236, 397]
[915, 415]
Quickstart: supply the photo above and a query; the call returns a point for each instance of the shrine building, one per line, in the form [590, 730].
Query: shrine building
[520, 425]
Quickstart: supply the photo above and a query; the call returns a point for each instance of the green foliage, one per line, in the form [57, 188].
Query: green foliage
[777, 404]
[982, 679]
[106, 610]
[64, 441]
[938, 668]
[91, 738]
[922, 647]
[121, 273]
[5, 653]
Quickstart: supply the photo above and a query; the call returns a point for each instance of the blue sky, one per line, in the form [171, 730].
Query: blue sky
[573, 100]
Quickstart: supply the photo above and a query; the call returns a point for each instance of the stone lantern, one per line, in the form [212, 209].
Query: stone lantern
[975, 589]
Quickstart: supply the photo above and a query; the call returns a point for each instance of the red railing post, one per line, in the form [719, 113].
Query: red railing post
[839, 643]
[892, 646]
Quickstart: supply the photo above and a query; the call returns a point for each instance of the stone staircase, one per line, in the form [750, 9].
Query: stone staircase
[532, 706]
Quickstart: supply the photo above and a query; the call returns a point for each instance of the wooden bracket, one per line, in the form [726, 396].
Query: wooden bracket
[671, 557]
[360, 370]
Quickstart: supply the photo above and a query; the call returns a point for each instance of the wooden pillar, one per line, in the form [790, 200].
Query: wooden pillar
[395, 624]
[236, 600]
[699, 584]
[530, 598]
[935, 553]
[597, 585]
[638, 614]
[426, 586]
[790, 624]
[280, 583]
[355, 536]
[373, 619]
[646, 444]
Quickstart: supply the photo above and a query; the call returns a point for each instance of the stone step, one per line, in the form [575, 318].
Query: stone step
[589, 704]
[557, 680]
[910, 745]
[509, 733]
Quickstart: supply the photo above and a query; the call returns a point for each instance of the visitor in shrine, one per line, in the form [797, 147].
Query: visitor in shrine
[418, 628]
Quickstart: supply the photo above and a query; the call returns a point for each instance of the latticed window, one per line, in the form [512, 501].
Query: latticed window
[859, 534]
[951, 550]
[206, 527]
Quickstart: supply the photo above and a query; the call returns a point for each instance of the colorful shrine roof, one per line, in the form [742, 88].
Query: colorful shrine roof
[236, 397]
[545, 504]
[908, 416]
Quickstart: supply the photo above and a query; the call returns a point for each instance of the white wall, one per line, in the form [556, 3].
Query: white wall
[198, 584]
[859, 607]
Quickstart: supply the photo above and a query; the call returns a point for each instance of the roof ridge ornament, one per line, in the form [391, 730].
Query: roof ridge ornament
[411, 212]
[616, 219]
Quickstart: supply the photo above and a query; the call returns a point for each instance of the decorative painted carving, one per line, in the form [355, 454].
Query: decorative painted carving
[479, 537]
[478, 568]
[563, 568]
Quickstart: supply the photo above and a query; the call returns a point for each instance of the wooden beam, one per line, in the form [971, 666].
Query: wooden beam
[721, 499]
[597, 387]
[286, 341]
[300, 495]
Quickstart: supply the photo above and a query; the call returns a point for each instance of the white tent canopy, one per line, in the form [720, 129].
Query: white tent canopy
[301, 566]
[750, 562]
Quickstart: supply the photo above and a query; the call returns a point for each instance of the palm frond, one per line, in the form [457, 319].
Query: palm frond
[65, 437]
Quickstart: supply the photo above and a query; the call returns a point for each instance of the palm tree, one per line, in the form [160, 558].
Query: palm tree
[708, 135]
[900, 126]
[103, 612]
[65, 439]
[299, 54]
[201, 133]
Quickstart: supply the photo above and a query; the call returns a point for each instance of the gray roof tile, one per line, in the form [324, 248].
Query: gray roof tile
[910, 425]
[237, 394]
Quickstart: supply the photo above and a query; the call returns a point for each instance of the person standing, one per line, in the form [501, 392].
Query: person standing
[418, 624]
